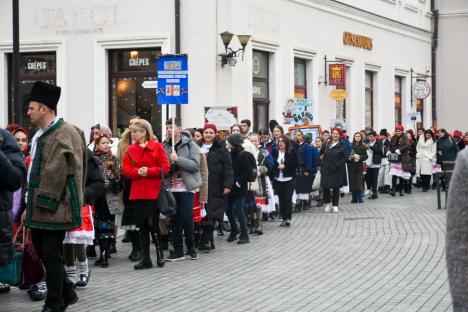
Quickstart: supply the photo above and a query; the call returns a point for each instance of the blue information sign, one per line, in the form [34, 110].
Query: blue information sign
[172, 79]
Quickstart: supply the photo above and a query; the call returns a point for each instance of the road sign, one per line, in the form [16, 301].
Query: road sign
[172, 79]
[339, 94]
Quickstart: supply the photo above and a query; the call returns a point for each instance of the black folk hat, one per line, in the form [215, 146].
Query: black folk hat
[46, 94]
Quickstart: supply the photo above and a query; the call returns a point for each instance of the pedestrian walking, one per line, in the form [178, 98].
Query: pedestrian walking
[356, 168]
[375, 155]
[55, 191]
[425, 158]
[400, 161]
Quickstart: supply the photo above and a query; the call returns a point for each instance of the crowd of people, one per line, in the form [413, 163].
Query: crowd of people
[73, 194]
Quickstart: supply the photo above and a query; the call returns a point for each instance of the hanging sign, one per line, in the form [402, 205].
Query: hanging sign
[172, 79]
[339, 94]
[421, 89]
[337, 74]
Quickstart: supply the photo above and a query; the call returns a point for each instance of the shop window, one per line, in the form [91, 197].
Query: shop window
[420, 109]
[300, 81]
[398, 100]
[132, 76]
[40, 66]
[369, 100]
[260, 89]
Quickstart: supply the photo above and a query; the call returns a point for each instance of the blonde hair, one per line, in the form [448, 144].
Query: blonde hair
[144, 125]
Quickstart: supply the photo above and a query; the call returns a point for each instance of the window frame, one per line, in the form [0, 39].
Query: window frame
[371, 91]
[258, 102]
[302, 88]
[400, 108]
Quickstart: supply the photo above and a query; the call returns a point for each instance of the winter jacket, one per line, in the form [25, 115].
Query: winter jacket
[188, 163]
[308, 157]
[291, 163]
[57, 179]
[220, 176]
[203, 191]
[94, 185]
[377, 152]
[457, 234]
[401, 144]
[155, 159]
[12, 177]
[242, 170]
[333, 170]
[447, 149]
[426, 153]
[355, 168]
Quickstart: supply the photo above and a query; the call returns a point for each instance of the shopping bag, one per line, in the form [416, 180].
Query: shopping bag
[11, 273]
[316, 184]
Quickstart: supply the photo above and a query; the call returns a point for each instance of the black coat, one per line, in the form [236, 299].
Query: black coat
[377, 152]
[242, 171]
[401, 143]
[12, 177]
[333, 171]
[447, 149]
[220, 176]
[291, 163]
[94, 186]
[356, 169]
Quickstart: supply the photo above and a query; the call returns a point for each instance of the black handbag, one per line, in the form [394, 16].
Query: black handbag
[166, 202]
[394, 158]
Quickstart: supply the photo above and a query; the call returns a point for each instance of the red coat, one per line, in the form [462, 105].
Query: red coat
[155, 159]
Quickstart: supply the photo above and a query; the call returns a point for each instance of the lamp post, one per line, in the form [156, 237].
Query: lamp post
[230, 55]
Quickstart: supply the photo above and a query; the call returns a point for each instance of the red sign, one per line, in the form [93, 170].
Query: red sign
[337, 74]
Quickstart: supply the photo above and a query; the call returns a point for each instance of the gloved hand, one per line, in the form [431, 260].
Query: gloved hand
[398, 152]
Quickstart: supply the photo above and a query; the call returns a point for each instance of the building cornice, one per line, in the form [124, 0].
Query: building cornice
[368, 18]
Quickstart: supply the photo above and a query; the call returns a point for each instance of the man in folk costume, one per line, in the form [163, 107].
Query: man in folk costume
[56, 180]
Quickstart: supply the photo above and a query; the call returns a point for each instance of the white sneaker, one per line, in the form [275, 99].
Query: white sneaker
[368, 192]
[328, 208]
[335, 209]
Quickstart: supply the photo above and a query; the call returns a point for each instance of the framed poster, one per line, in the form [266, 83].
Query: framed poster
[224, 117]
[298, 112]
[312, 131]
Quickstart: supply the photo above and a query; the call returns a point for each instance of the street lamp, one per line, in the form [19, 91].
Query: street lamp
[230, 55]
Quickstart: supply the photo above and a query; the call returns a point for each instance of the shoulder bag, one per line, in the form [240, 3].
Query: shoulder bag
[166, 202]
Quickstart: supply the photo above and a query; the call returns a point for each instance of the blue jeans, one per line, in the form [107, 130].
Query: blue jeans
[235, 208]
[358, 195]
[182, 222]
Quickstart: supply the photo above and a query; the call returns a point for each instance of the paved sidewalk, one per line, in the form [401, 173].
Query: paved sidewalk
[384, 255]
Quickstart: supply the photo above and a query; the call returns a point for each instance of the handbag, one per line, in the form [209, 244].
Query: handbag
[11, 273]
[32, 270]
[166, 202]
[394, 158]
[316, 184]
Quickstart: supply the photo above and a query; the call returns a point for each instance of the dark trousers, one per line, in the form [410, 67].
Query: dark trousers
[285, 191]
[426, 181]
[182, 223]
[372, 178]
[49, 247]
[327, 196]
[235, 208]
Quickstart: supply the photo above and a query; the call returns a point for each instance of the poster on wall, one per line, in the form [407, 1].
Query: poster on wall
[222, 116]
[298, 112]
[310, 132]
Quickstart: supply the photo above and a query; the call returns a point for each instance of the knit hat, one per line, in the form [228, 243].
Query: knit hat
[210, 126]
[399, 127]
[457, 134]
[383, 132]
[235, 139]
[46, 94]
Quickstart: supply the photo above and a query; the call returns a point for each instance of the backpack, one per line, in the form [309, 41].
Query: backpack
[253, 164]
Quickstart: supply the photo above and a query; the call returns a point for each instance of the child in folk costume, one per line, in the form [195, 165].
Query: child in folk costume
[262, 188]
[308, 156]
[109, 204]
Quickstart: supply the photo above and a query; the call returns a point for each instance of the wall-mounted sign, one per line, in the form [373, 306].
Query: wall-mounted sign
[222, 116]
[172, 79]
[421, 89]
[336, 74]
[339, 94]
[138, 62]
[357, 41]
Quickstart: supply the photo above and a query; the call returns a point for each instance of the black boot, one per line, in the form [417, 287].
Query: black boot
[103, 260]
[164, 242]
[160, 260]
[408, 187]
[401, 188]
[127, 237]
[112, 248]
[91, 251]
[252, 226]
[205, 244]
[259, 227]
[145, 262]
[219, 229]
[135, 255]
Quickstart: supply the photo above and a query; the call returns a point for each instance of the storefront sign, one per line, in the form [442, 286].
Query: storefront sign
[337, 74]
[36, 65]
[298, 112]
[138, 62]
[223, 117]
[357, 41]
[421, 89]
[172, 79]
[339, 94]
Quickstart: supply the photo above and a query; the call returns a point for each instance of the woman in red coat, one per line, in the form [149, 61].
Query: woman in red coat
[143, 164]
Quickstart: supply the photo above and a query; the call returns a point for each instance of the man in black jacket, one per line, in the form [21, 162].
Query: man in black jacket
[375, 153]
[13, 173]
[239, 190]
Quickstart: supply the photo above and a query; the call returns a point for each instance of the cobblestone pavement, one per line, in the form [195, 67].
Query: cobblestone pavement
[384, 255]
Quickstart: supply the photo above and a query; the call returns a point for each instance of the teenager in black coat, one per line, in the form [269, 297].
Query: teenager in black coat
[285, 164]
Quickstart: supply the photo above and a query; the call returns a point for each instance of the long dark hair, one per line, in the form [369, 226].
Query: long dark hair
[430, 132]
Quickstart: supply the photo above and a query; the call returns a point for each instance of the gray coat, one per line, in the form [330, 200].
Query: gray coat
[457, 234]
[189, 162]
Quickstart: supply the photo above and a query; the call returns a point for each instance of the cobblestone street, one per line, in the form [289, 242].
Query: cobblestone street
[384, 255]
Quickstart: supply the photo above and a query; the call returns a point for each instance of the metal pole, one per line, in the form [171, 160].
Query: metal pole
[411, 87]
[16, 55]
[177, 43]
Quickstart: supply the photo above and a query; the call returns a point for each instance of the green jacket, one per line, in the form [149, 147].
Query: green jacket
[57, 179]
